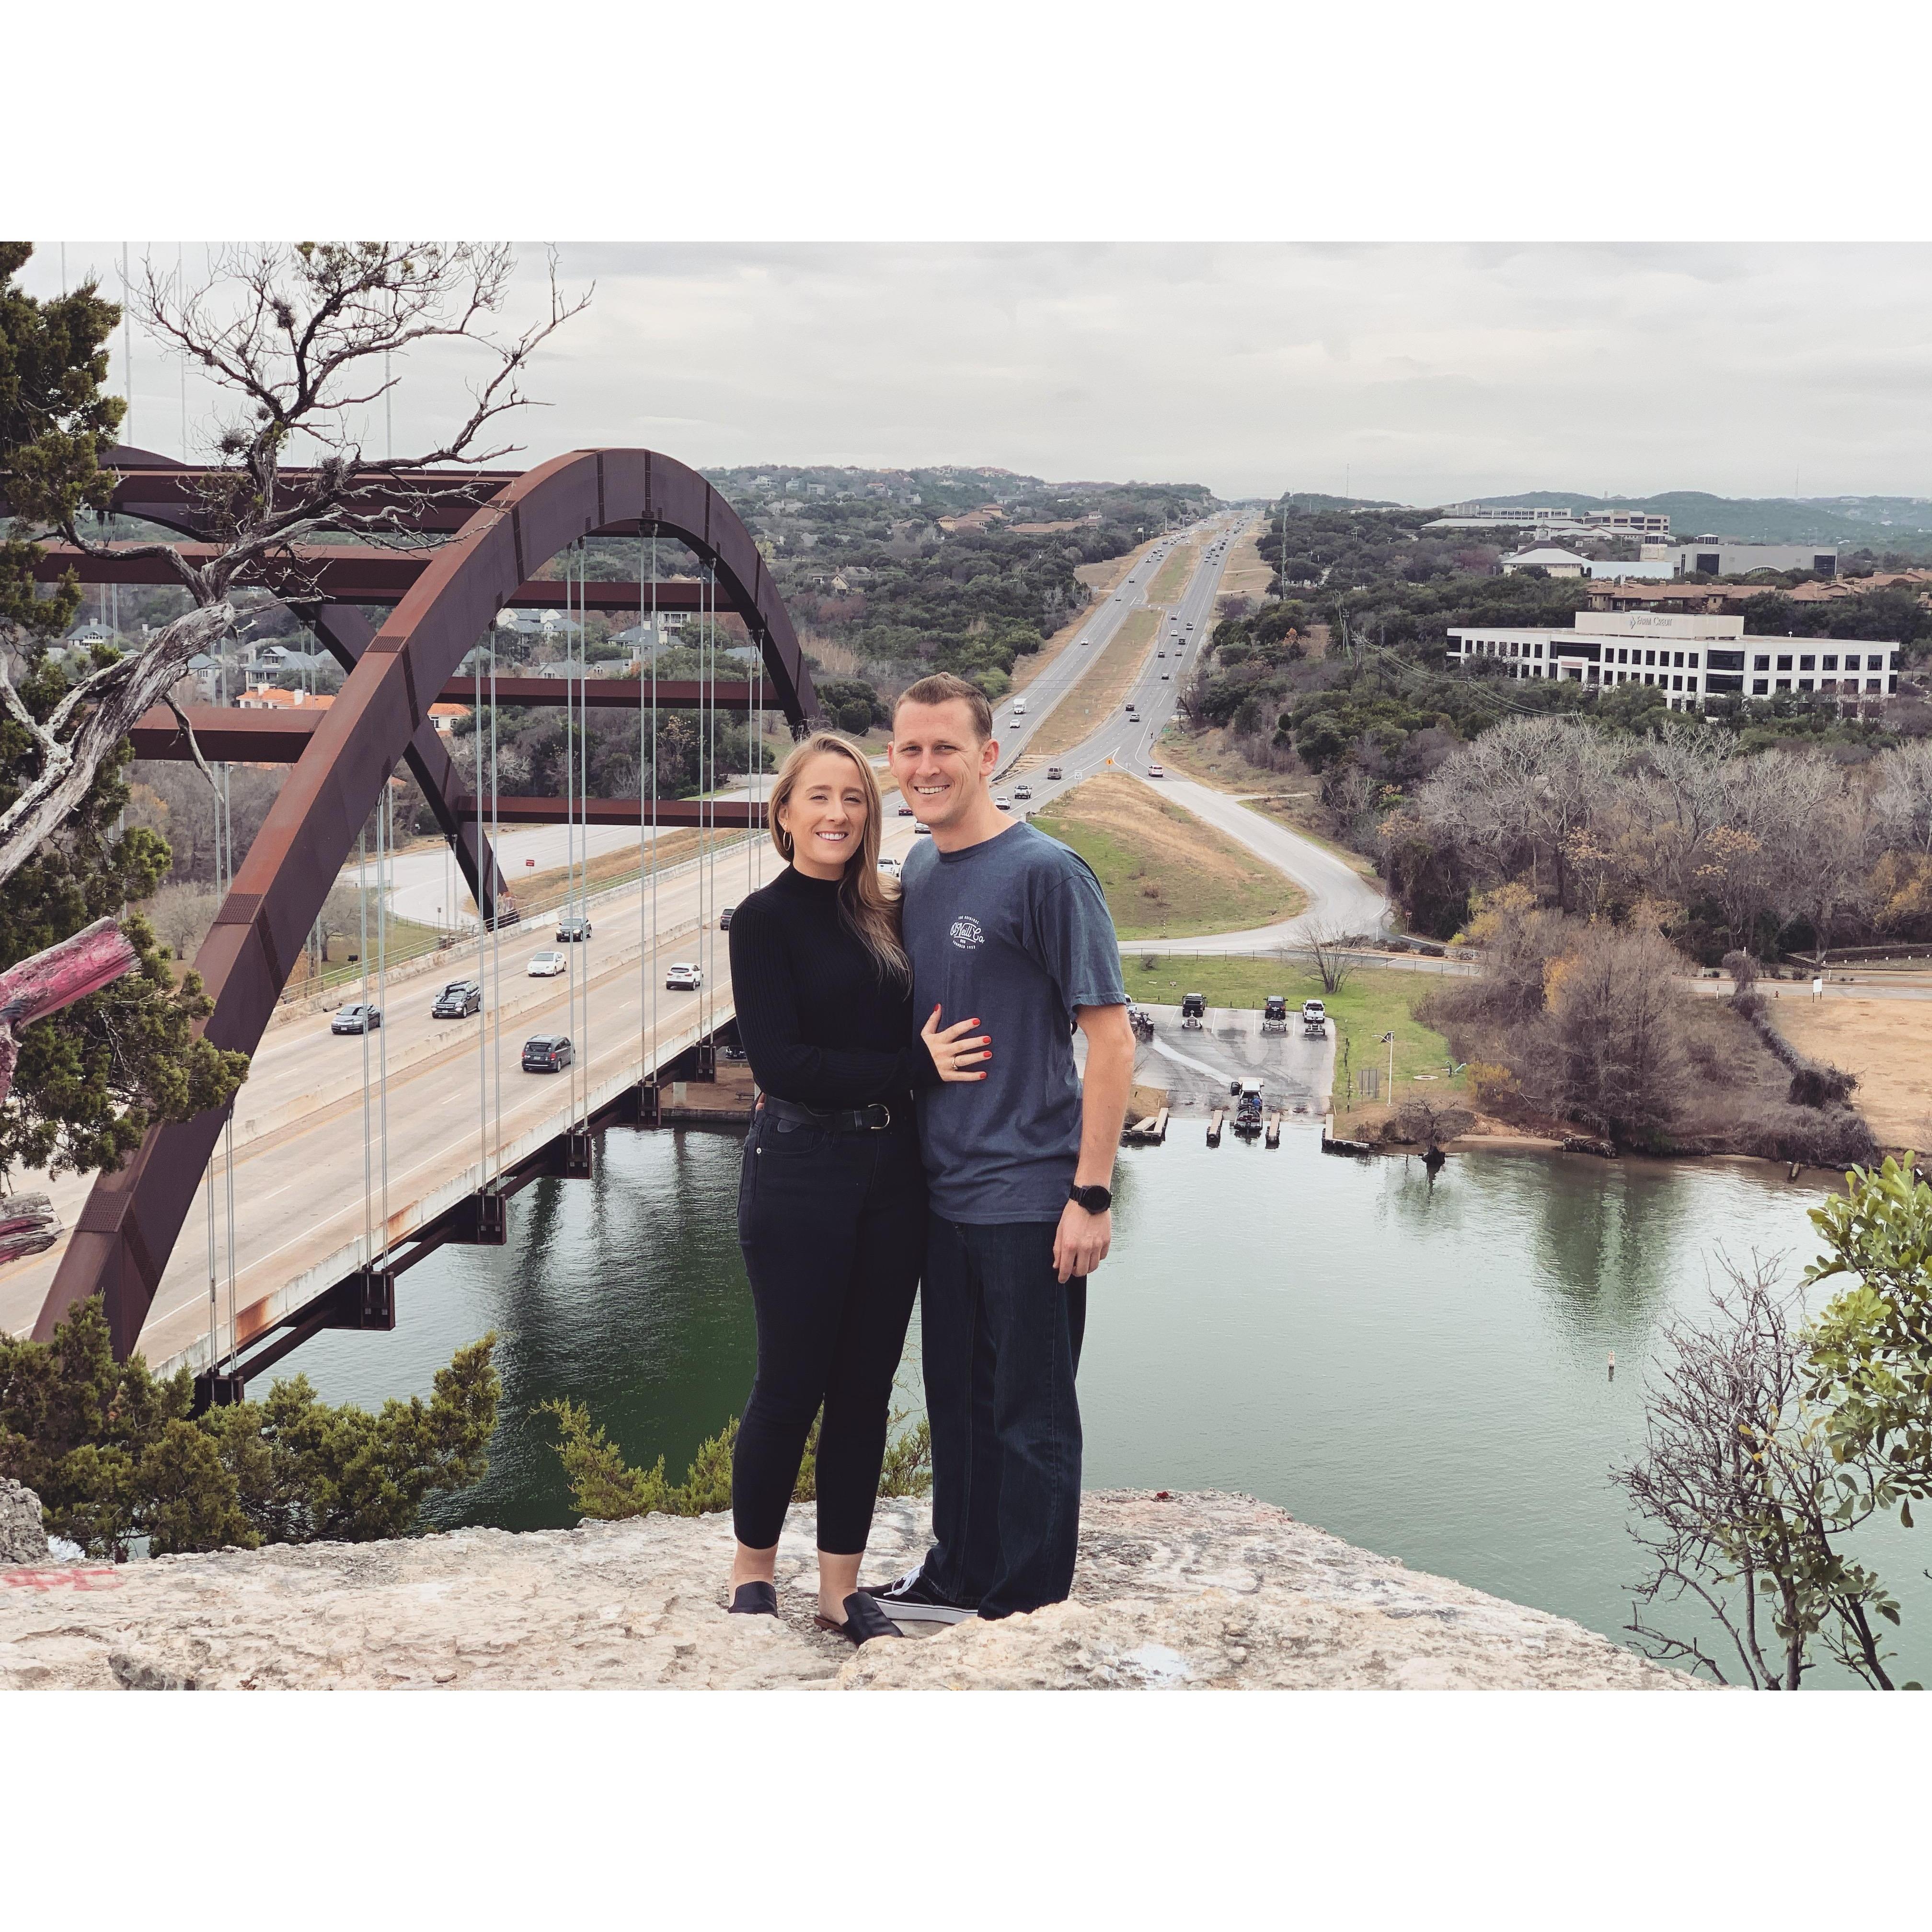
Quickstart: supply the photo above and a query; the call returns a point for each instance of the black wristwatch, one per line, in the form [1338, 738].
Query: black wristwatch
[1095, 1200]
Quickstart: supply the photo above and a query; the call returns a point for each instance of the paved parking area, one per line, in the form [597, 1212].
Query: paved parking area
[1195, 1067]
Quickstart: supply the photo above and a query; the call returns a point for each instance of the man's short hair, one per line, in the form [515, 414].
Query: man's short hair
[942, 688]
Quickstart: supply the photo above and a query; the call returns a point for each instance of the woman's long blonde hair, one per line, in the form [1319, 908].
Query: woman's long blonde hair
[868, 901]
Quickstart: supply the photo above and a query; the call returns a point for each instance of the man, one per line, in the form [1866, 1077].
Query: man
[1006, 928]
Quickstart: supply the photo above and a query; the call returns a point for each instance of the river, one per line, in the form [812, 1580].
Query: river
[1420, 1366]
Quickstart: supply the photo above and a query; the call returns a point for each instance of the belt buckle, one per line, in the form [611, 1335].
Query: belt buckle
[878, 1126]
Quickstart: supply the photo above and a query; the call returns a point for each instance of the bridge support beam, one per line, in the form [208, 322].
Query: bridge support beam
[127, 1230]
[345, 632]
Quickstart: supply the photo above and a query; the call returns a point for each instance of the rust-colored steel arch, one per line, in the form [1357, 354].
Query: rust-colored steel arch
[160, 490]
[124, 1234]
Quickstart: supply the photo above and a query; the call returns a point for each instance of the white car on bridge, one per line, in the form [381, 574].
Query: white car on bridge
[548, 965]
[680, 977]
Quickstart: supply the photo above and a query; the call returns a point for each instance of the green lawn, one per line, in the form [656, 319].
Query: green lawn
[1374, 1000]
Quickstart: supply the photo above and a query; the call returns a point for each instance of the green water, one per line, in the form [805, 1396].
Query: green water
[1420, 1366]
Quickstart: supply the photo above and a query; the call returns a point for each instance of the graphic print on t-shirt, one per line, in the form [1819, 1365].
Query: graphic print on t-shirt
[1035, 946]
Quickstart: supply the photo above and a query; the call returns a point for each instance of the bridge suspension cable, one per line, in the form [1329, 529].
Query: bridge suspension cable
[482, 1029]
[573, 646]
[646, 827]
[496, 928]
[385, 846]
[584, 803]
[367, 1256]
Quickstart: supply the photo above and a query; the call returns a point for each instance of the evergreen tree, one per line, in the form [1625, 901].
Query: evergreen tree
[93, 1076]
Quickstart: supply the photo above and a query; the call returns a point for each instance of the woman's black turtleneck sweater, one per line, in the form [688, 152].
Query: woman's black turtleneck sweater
[822, 1024]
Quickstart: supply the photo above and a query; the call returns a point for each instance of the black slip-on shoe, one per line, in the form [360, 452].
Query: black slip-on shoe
[754, 1599]
[912, 1600]
[864, 1620]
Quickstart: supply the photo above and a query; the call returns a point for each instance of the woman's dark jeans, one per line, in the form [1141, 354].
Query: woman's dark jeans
[833, 1229]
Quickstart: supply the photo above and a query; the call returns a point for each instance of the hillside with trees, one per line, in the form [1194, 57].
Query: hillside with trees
[1344, 678]
[890, 574]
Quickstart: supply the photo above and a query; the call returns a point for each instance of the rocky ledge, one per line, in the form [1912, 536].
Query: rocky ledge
[1189, 1592]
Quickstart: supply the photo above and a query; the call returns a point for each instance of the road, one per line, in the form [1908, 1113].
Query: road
[425, 886]
[300, 1209]
[1340, 899]
[1015, 732]
[299, 1154]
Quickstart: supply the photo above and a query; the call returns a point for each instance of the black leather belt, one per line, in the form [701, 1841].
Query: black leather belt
[873, 1119]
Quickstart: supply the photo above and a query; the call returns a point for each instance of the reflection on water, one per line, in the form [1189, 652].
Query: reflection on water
[1417, 1364]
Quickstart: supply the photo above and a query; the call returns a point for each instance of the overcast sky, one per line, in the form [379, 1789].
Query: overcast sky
[1421, 373]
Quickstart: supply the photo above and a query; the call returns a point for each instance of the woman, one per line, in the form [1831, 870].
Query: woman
[832, 1201]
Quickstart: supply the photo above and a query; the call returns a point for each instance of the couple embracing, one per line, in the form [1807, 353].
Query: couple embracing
[922, 1129]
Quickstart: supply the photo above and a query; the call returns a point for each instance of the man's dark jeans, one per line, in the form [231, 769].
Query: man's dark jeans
[1001, 1339]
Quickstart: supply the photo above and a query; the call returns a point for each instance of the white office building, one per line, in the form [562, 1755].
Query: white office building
[1554, 520]
[1551, 562]
[1692, 658]
[1709, 556]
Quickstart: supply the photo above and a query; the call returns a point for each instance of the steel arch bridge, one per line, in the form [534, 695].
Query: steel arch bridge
[442, 601]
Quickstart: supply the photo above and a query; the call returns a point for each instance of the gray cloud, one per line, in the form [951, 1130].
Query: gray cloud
[1420, 372]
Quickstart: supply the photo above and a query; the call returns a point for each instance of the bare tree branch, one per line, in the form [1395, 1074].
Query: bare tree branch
[299, 336]
[90, 721]
[1743, 1507]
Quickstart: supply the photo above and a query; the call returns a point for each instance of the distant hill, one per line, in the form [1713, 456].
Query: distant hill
[1313, 500]
[1876, 522]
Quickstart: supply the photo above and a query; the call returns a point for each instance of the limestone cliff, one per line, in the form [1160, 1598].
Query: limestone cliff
[1203, 1591]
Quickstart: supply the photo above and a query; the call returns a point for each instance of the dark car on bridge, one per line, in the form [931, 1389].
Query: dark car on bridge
[357, 1017]
[575, 927]
[725, 918]
[547, 1053]
[457, 1000]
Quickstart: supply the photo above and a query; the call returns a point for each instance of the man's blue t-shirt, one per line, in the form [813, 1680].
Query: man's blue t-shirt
[1015, 931]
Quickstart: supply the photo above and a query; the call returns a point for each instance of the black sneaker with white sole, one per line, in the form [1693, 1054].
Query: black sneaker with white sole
[912, 1600]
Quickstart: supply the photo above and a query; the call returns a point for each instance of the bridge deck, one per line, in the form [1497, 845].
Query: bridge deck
[299, 1216]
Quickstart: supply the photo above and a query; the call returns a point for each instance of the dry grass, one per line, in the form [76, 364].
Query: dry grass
[1172, 578]
[1166, 875]
[1887, 1043]
[1293, 797]
[1103, 689]
[839, 659]
[1246, 575]
[1106, 684]
[1214, 757]
[1104, 578]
